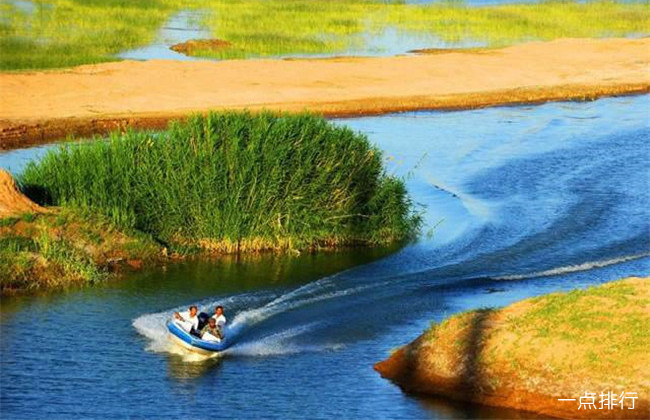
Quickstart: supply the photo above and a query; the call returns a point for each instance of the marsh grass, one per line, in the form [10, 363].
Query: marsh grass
[61, 33]
[302, 27]
[512, 23]
[43, 260]
[234, 182]
[291, 27]
[64, 248]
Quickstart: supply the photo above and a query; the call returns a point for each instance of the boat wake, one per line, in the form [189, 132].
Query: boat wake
[280, 343]
[574, 268]
[296, 321]
[251, 310]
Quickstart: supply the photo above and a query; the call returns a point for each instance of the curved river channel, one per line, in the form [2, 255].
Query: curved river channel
[519, 201]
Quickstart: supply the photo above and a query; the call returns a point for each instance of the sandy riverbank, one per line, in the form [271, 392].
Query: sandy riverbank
[530, 354]
[12, 201]
[41, 106]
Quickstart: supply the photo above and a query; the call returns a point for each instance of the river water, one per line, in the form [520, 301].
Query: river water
[524, 201]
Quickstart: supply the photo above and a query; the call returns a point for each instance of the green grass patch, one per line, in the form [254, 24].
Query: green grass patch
[8, 221]
[28, 263]
[62, 33]
[513, 23]
[281, 27]
[231, 182]
[605, 323]
[65, 248]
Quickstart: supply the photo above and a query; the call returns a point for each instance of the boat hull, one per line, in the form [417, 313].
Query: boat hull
[192, 343]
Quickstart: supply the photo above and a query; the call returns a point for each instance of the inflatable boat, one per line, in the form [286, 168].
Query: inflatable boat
[192, 342]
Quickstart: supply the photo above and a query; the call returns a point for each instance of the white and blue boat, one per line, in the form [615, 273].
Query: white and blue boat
[194, 343]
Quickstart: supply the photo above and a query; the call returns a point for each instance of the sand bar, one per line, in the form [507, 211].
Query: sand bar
[46, 105]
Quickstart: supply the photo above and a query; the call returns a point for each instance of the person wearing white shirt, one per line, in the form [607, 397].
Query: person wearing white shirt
[220, 318]
[188, 320]
[211, 332]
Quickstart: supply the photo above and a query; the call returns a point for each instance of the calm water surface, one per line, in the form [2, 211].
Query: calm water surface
[525, 200]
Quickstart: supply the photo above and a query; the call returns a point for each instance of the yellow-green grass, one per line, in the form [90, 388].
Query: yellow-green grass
[600, 331]
[607, 326]
[64, 248]
[513, 23]
[530, 353]
[63, 33]
[281, 27]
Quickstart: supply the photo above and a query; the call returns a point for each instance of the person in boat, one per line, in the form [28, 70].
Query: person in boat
[211, 331]
[219, 316]
[188, 320]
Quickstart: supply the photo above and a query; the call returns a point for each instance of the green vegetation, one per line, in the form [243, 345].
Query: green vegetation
[231, 182]
[226, 183]
[63, 248]
[61, 33]
[282, 27]
[512, 23]
[610, 320]
[272, 28]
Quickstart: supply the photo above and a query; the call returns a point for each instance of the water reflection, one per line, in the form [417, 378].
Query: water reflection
[444, 408]
[179, 369]
[227, 274]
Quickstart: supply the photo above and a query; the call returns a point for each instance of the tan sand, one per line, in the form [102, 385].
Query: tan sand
[12, 201]
[532, 353]
[41, 106]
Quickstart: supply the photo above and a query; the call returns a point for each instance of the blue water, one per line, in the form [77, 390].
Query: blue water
[524, 201]
[15, 160]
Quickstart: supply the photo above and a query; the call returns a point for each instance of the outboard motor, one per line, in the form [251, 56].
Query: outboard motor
[203, 320]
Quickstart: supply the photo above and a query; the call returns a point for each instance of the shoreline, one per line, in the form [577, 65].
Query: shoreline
[40, 107]
[16, 135]
[531, 353]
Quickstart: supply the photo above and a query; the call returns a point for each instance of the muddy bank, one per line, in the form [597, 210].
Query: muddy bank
[194, 45]
[528, 355]
[40, 106]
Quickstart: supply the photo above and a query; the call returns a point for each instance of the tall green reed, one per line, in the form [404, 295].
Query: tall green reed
[234, 181]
